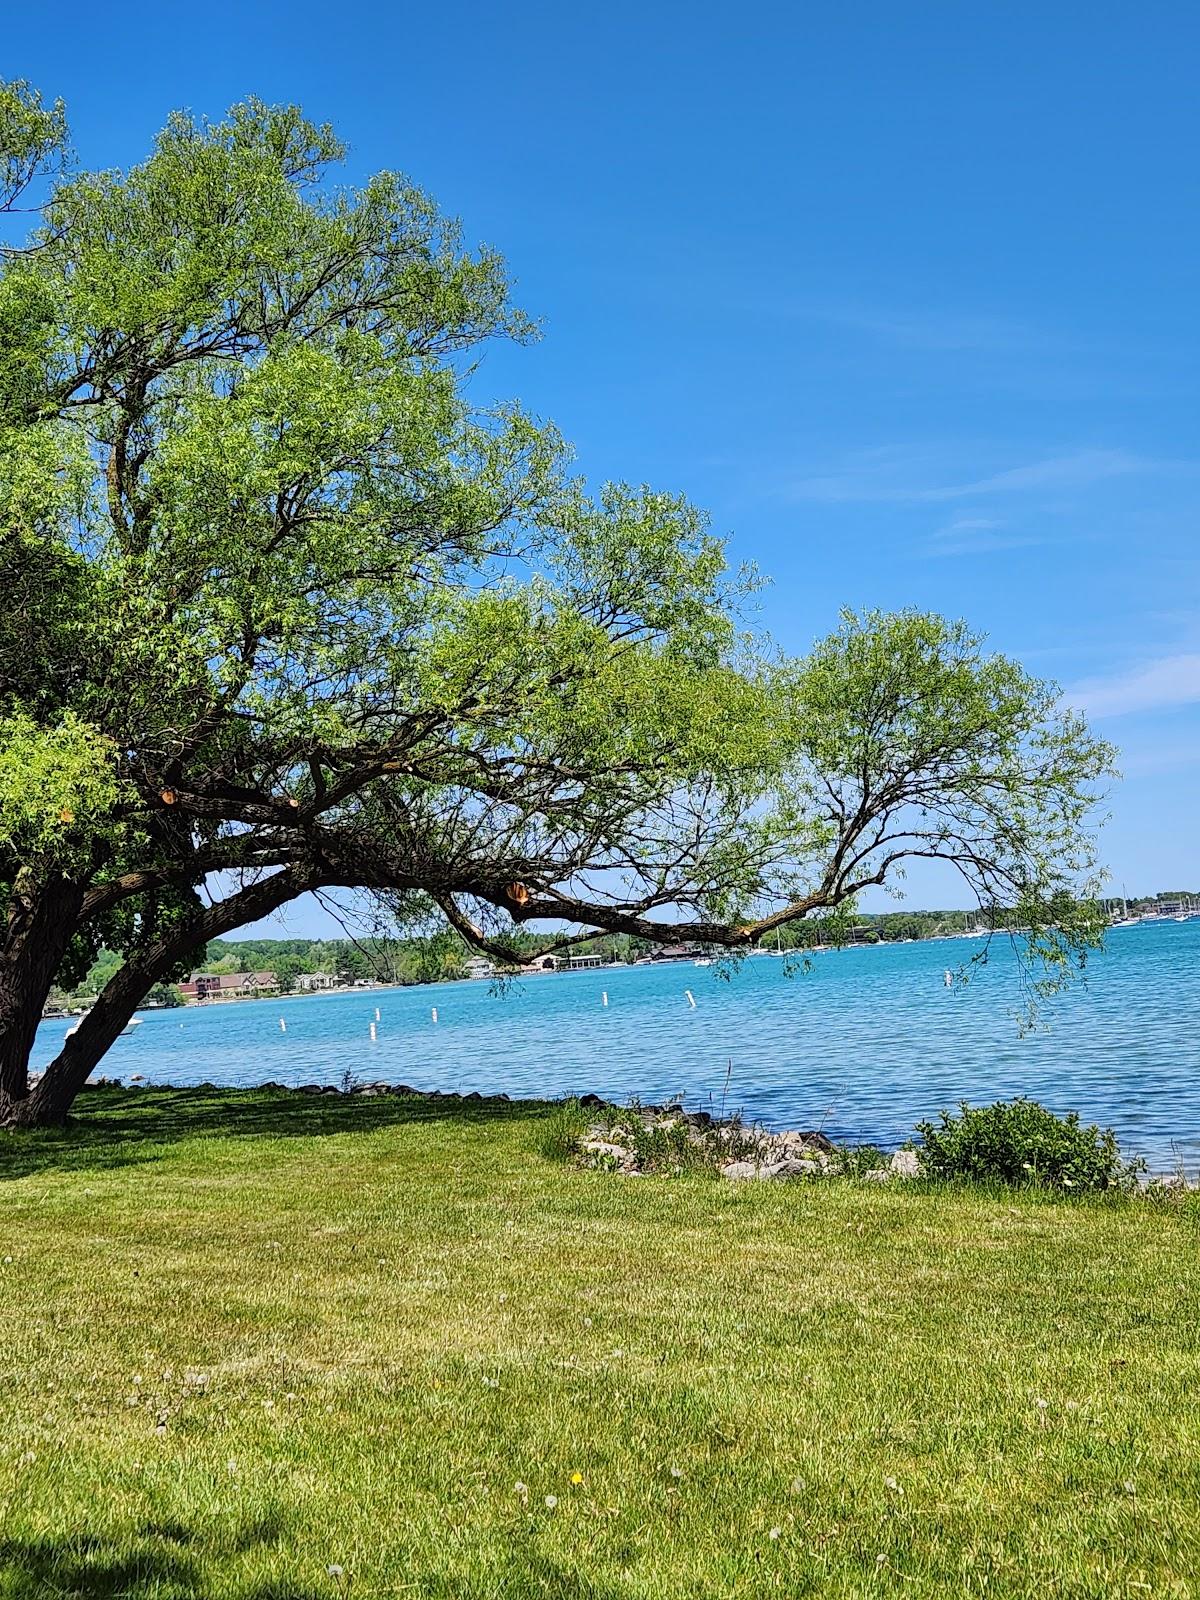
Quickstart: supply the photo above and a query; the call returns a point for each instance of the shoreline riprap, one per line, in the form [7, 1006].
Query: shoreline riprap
[636, 1140]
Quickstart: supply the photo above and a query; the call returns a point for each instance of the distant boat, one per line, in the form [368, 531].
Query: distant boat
[134, 1022]
[702, 961]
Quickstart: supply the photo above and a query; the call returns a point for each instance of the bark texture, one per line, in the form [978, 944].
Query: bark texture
[41, 919]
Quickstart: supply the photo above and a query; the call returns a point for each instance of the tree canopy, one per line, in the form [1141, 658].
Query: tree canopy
[288, 606]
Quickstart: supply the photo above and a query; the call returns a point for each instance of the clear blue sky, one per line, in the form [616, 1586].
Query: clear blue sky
[905, 295]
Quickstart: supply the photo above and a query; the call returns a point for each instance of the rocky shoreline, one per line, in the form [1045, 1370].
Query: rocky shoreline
[634, 1140]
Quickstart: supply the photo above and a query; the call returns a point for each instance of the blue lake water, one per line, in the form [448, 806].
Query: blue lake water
[863, 1045]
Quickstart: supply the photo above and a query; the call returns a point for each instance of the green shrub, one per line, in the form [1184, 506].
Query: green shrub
[856, 1159]
[1021, 1142]
[668, 1150]
[560, 1131]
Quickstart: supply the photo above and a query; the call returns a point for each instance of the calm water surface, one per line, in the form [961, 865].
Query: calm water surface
[863, 1045]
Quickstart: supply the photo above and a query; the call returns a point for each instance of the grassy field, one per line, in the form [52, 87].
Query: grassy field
[282, 1348]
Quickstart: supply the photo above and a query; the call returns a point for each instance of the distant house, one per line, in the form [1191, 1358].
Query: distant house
[310, 981]
[673, 952]
[228, 985]
[478, 967]
[589, 959]
[542, 964]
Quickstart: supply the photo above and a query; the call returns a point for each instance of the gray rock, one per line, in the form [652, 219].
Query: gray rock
[737, 1171]
[605, 1147]
[906, 1164]
[310, 1088]
[797, 1167]
[817, 1140]
[792, 1140]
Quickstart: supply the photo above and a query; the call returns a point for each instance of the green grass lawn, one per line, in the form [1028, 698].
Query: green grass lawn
[277, 1347]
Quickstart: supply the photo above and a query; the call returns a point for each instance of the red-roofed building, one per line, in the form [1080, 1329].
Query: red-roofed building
[228, 985]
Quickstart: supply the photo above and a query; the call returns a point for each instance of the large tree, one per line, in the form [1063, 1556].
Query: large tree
[286, 608]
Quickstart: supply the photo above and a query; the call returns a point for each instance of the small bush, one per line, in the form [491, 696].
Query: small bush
[1021, 1142]
[668, 1150]
[856, 1159]
[560, 1131]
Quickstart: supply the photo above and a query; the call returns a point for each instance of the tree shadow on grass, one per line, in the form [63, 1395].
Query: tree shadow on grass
[158, 1563]
[92, 1567]
[113, 1127]
[86, 1567]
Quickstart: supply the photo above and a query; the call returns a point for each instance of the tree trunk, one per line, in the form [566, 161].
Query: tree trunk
[41, 919]
[48, 1103]
[51, 1098]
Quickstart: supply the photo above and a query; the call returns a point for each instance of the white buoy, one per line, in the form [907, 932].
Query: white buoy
[604, 997]
[691, 1001]
[376, 1013]
[372, 1033]
[435, 1013]
[282, 1025]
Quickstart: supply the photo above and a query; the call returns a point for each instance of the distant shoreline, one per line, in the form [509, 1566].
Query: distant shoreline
[524, 974]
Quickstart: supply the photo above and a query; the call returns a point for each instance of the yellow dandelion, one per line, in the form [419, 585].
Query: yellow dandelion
[577, 1478]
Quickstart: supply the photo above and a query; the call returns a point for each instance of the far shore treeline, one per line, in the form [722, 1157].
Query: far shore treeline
[444, 957]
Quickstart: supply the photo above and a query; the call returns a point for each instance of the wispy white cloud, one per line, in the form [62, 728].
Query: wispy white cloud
[1153, 686]
[933, 330]
[969, 536]
[961, 525]
[880, 480]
